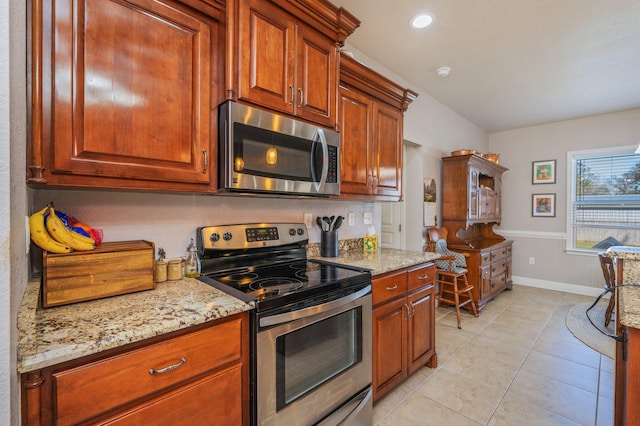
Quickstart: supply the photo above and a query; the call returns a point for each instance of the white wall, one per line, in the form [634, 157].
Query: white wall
[544, 238]
[13, 204]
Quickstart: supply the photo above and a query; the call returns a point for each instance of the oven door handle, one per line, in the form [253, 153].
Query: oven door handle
[313, 310]
[350, 411]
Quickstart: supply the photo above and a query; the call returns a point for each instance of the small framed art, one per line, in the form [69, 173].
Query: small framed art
[543, 205]
[544, 172]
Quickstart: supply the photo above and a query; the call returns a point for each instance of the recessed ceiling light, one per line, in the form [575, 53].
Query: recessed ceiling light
[421, 21]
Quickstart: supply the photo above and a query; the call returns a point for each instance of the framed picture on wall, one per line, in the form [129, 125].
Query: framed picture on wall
[544, 172]
[543, 205]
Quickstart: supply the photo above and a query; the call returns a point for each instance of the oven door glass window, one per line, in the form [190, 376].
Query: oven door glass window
[310, 356]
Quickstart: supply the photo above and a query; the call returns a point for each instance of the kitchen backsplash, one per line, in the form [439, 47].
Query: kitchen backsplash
[170, 220]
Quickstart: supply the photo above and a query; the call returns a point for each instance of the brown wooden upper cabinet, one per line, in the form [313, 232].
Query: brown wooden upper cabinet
[122, 93]
[371, 111]
[472, 188]
[283, 55]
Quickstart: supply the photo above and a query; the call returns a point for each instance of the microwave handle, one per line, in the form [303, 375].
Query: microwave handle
[320, 138]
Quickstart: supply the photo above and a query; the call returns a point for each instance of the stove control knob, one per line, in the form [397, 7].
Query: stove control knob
[214, 237]
[226, 236]
[300, 231]
[292, 232]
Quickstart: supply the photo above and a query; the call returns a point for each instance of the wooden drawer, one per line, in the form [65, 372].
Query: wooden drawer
[389, 286]
[485, 258]
[498, 282]
[89, 390]
[498, 267]
[421, 276]
[499, 253]
[195, 404]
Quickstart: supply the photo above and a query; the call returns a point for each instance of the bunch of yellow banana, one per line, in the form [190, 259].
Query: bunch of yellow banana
[59, 231]
[50, 233]
[41, 237]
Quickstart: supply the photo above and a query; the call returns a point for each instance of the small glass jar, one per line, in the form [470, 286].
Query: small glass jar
[174, 269]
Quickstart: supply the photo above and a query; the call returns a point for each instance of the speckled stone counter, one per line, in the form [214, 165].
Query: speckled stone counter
[629, 297]
[50, 336]
[385, 260]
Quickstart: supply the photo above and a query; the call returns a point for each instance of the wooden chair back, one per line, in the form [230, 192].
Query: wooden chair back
[608, 271]
[433, 235]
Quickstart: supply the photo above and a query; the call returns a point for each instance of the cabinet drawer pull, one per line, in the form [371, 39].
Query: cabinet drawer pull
[423, 277]
[292, 94]
[300, 97]
[153, 371]
[206, 161]
[393, 287]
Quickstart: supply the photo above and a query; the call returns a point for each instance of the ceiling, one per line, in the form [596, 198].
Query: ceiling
[515, 63]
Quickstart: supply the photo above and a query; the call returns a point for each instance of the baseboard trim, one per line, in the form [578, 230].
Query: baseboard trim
[558, 286]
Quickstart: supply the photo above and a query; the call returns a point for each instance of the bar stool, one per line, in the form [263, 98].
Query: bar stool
[452, 274]
[608, 271]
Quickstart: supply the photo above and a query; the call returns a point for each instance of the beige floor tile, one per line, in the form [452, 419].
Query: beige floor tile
[514, 411]
[515, 321]
[607, 364]
[524, 338]
[387, 403]
[607, 384]
[555, 396]
[571, 349]
[605, 412]
[572, 373]
[420, 410]
[468, 322]
[457, 392]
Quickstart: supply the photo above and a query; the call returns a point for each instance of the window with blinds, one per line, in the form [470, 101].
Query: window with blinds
[605, 202]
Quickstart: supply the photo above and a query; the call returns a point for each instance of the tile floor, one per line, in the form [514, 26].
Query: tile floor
[517, 364]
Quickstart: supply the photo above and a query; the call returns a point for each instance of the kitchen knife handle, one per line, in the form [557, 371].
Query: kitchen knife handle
[153, 371]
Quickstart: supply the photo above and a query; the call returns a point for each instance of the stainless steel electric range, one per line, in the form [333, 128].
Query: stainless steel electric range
[311, 326]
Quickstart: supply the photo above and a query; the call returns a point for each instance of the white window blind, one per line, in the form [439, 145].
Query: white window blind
[606, 200]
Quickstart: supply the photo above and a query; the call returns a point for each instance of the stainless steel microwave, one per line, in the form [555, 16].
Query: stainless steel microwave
[263, 152]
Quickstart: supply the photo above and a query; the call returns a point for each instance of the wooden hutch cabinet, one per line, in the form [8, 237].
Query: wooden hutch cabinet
[471, 206]
[194, 377]
[122, 93]
[371, 111]
[403, 326]
[283, 55]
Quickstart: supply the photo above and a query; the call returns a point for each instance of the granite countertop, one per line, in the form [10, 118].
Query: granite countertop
[53, 335]
[385, 260]
[629, 297]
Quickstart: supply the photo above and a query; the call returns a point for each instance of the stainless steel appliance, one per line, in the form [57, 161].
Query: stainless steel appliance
[263, 152]
[311, 338]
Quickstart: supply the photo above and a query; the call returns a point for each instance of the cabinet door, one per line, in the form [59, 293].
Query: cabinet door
[356, 127]
[130, 91]
[389, 346]
[387, 151]
[421, 339]
[474, 191]
[485, 281]
[267, 55]
[316, 77]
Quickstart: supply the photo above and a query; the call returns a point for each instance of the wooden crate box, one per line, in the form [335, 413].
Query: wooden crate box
[113, 268]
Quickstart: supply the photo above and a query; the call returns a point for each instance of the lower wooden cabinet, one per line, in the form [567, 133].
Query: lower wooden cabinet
[200, 376]
[403, 326]
[489, 270]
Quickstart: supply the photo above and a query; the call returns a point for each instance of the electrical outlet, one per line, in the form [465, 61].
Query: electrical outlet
[351, 218]
[532, 261]
[368, 218]
[308, 220]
